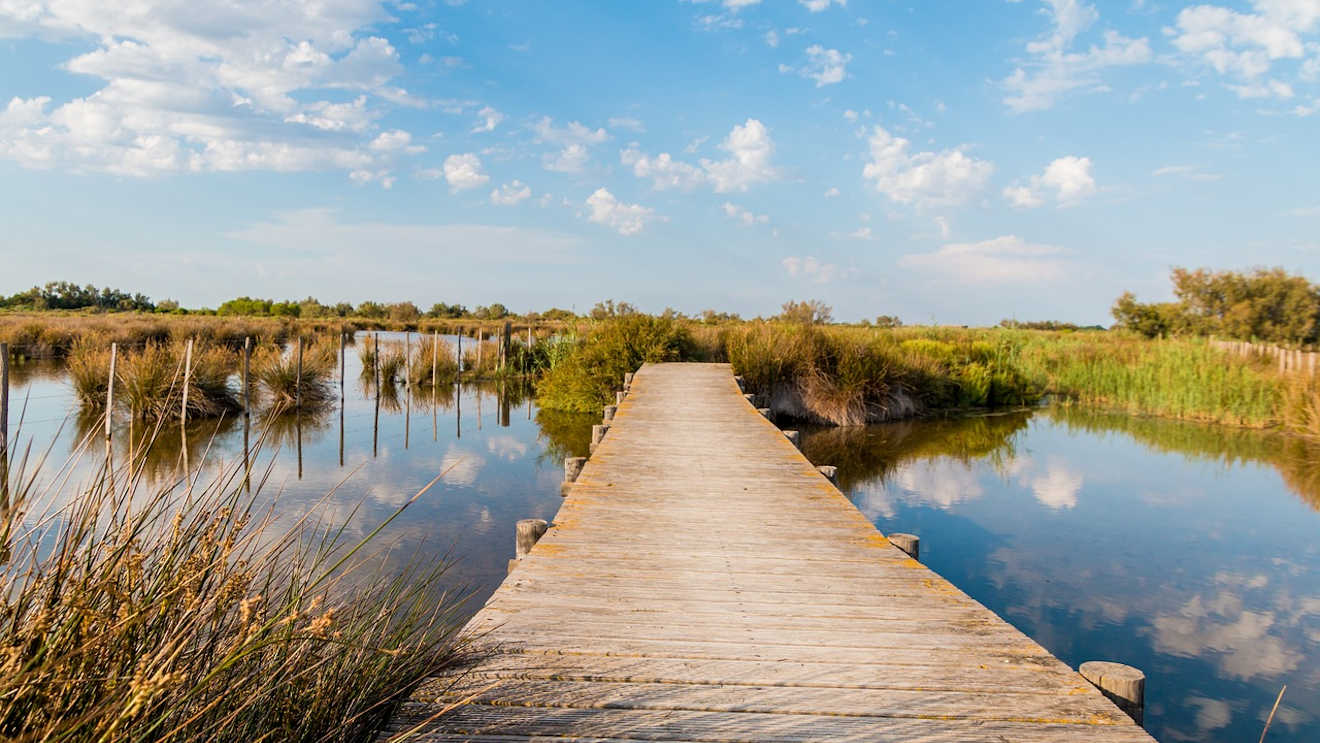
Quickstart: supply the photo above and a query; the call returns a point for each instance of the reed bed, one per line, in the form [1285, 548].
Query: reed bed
[149, 381]
[284, 387]
[53, 335]
[171, 614]
[432, 361]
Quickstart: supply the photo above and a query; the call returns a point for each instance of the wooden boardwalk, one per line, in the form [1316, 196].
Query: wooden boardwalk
[703, 582]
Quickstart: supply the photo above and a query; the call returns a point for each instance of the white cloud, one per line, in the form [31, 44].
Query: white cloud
[1058, 487]
[575, 139]
[463, 172]
[1007, 259]
[490, 118]
[923, 179]
[395, 140]
[1247, 46]
[1053, 70]
[771, 38]
[745, 217]
[816, 6]
[1067, 180]
[813, 270]
[825, 66]
[510, 193]
[1190, 172]
[831, 192]
[226, 89]
[750, 149]
[626, 219]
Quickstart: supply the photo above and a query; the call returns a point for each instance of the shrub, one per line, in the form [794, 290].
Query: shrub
[585, 380]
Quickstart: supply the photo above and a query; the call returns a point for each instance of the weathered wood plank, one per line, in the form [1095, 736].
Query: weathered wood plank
[704, 582]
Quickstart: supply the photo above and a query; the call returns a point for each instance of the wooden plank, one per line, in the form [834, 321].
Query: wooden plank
[704, 582]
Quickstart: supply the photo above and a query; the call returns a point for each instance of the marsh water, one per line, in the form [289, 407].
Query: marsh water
[1189, 551]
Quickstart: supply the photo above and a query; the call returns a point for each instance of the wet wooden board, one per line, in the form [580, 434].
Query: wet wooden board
[703, 582]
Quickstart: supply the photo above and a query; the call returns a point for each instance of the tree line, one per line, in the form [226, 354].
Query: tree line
[1266, 304]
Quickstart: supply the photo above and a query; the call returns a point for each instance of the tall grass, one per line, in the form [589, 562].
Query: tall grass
[149, 381]
[432, 351]
[276, 374]
[584, 380]
[129, 614]
[54, 335]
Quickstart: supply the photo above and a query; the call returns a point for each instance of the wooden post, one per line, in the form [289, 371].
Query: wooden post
[375, 375]
[435, 357]
[749, 397]
[830, 472]
[610, 410]
[528, 532]
[764, 411]
[1125, 686]
[407, 360]
[187, 377]
[527, 361]
[793, 437]
[628, 380]
[247, 367]
[573, 468]
[110, 394]
[297, 382]
[598, 435]
[505, 343]
[341, 369]
[481, 341]
[458, 352]
[909, 543]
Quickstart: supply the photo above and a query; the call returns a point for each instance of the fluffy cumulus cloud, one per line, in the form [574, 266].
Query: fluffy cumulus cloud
[487, 119]
[573, 140]
[1066, 181]
[810, 269]
[1248, 47]
[286, 87]
[626, 219]
[463, 172]
[750, 152]
[510, 194]
[1007, 259]
[923, 179]
[825, 66]
[1055, 67]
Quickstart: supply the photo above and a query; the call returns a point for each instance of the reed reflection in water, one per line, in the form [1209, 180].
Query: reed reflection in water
[1189, 551]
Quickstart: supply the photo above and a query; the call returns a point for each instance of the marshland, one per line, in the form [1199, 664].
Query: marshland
[296, 550]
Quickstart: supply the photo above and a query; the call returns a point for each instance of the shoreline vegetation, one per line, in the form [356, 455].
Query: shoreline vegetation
[189, 612]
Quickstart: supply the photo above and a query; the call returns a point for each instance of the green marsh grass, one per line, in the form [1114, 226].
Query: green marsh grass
[275, 374]
[429, 353]
[130, 613]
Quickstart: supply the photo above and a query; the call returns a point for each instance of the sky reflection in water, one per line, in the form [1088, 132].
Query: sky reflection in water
[1188, 551]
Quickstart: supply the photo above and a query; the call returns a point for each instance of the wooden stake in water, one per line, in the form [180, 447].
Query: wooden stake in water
[407, 360]
[458, 354]
[435, 368]
[375, 371]
[297, 383]
[481, 341]
[110, 403]
[187, 377]
[247, 384]
[341, 369]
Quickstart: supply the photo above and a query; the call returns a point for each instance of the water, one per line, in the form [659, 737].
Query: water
[499, 459]
[1188, 551]
[1191, 552]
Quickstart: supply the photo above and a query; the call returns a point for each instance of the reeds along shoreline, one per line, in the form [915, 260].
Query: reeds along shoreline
[840, 375]
[130, 614]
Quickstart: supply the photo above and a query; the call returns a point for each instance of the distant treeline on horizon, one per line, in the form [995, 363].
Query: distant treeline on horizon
[1266, 305]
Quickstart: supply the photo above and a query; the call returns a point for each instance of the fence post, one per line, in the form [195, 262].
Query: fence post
[247, 378]
[341, 366]
[187, 377]
[435, 358]
[110, 394]
[4, 407]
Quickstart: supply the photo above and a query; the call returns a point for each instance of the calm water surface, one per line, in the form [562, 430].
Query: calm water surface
[1191, 552]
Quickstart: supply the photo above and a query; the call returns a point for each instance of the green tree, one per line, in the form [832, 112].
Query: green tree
[810, 312]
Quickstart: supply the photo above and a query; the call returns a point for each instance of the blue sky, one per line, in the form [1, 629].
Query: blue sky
[943, 161]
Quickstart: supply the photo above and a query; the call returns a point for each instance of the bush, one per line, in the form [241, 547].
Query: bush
[585, 380]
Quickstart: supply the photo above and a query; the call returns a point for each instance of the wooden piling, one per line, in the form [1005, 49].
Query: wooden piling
[247, 369]
[598, 435]
[407, 359]
[573, 468]
[830, 472]
[618, 397]
[793, 437]
[435, 357]
[610, 410]
[110, 395]
[481, 341]
[749, 397]
[458, 351]
[627, 380]
[1124, 685]
[764, 411]
[375, 375]
[527, 533]
[505, 343]
[297, 382]
[187, 377]
[341, 367]
[909, 543]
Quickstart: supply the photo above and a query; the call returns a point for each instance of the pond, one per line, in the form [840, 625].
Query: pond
[1191, 552]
